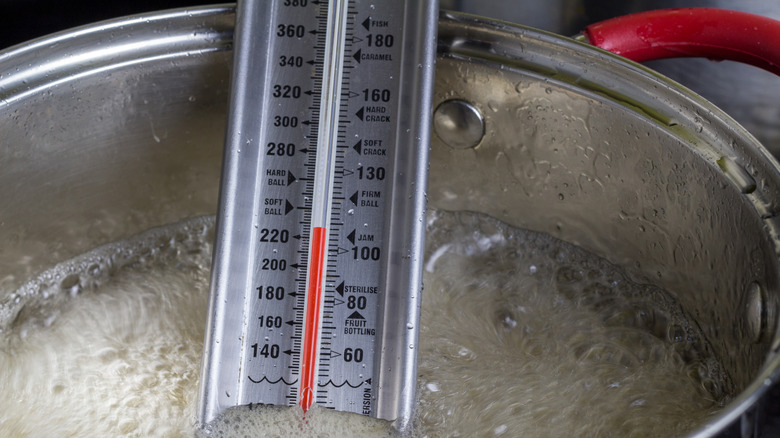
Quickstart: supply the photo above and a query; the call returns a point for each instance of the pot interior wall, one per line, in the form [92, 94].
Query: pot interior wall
[110, 143]
[640, 180]
[578, 145]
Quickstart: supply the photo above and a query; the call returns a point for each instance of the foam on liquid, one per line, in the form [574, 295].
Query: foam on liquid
[525, 335]
[522, 335]
[120, 357]
[279, 421]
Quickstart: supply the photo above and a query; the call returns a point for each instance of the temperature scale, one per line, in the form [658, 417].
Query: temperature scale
[317, 269]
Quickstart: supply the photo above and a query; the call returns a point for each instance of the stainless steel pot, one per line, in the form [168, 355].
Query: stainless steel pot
[748, 94]
[111, 129]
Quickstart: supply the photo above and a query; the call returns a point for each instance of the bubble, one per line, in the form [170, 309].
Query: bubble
[521, 335]
[531, 336]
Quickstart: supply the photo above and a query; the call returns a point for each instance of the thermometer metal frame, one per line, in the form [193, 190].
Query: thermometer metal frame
[368, 326]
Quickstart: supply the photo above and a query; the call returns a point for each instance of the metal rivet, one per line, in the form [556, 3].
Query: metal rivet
[459, 124]
[756, 312]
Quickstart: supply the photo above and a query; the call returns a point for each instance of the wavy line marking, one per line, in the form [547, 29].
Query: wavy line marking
[273, 382]
[346, 382]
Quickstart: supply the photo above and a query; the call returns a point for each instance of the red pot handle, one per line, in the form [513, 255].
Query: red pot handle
[717, 34]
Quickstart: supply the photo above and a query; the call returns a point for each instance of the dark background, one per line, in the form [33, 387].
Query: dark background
[22, 20]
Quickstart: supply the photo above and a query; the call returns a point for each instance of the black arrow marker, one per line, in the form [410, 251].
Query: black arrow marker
[357, 56]
[351, 237]
[358, 147]
[340, 289]
[288, 207]
[360, 113]
[355, 315]
[291, 178]
[367, 23]
[354, 198]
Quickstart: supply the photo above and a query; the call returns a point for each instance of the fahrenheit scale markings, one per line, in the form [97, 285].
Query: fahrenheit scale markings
[317, 262]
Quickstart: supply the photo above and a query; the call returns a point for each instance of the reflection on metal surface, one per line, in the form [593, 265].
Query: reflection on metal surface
[458, 124]
[756, 311]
